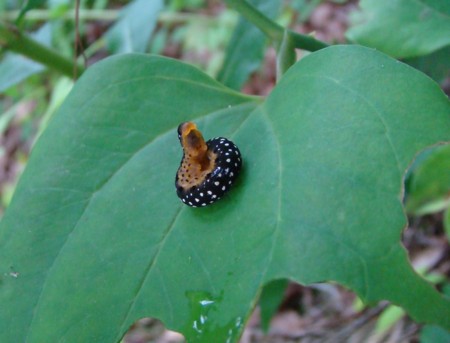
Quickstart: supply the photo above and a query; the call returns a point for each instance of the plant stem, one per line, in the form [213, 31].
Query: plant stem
[105, 15]
[272, 29]
[44, 15]
[12, 39]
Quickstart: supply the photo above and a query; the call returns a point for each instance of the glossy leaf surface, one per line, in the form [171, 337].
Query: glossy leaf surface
[96, 228]
[403, 28]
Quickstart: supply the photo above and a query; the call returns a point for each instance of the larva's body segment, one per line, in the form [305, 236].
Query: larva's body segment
[207, 170]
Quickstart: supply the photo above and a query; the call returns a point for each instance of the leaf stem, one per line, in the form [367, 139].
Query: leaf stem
[286, 55]
[272, 29]
[12, 39]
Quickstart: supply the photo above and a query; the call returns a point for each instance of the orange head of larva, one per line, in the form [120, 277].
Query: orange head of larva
[192, 141]
[197, 160]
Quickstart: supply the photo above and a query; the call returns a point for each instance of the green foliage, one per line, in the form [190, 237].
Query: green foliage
[131, 33]
[436, 65]
[388, 318]
[28, 5]
[447, 223]
[403, 28]
[434, 334]
[271, 297]
[15, 68]
[246, 48]
[429, 184]
[318, 199]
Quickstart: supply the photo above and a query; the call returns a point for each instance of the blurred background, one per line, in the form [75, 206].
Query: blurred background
[200, 32]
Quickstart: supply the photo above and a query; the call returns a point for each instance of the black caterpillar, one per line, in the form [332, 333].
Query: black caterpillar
[208, 169]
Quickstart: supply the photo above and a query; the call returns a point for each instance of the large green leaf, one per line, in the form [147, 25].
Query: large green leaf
[96, 238]
[403, 28]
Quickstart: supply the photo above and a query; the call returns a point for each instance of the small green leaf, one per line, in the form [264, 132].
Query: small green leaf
[434, 334]
[388, 318]
[271, 297]
[246, 48]
[436, 65]
[29, 5]
[15, 68]
[447, 223]
[132, 31]
[430, 183]
[403, 28]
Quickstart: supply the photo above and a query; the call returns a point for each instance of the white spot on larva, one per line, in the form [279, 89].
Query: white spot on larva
[211, 201]
[194, 206]
[217, 183]
[226, 154]
[235, 164]
[209, 192]
[231, 174]
[235, 151]
[201, 194]
[228, 160]
[220, 175]
[190, 203]
[197, 200]
[227, 170]
[184, 200]
[229, 182]
[223, 188]
[239, 159]
[204, 204]
[227, 144]
[214, 196]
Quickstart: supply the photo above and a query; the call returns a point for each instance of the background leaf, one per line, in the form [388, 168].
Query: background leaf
[403, 28]
[14, 68]
[435, 65]
[29, 5]
[131, 33]
[430, 182]
[434, 334]
[270, 300]
[104, 235]
[245, 51]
